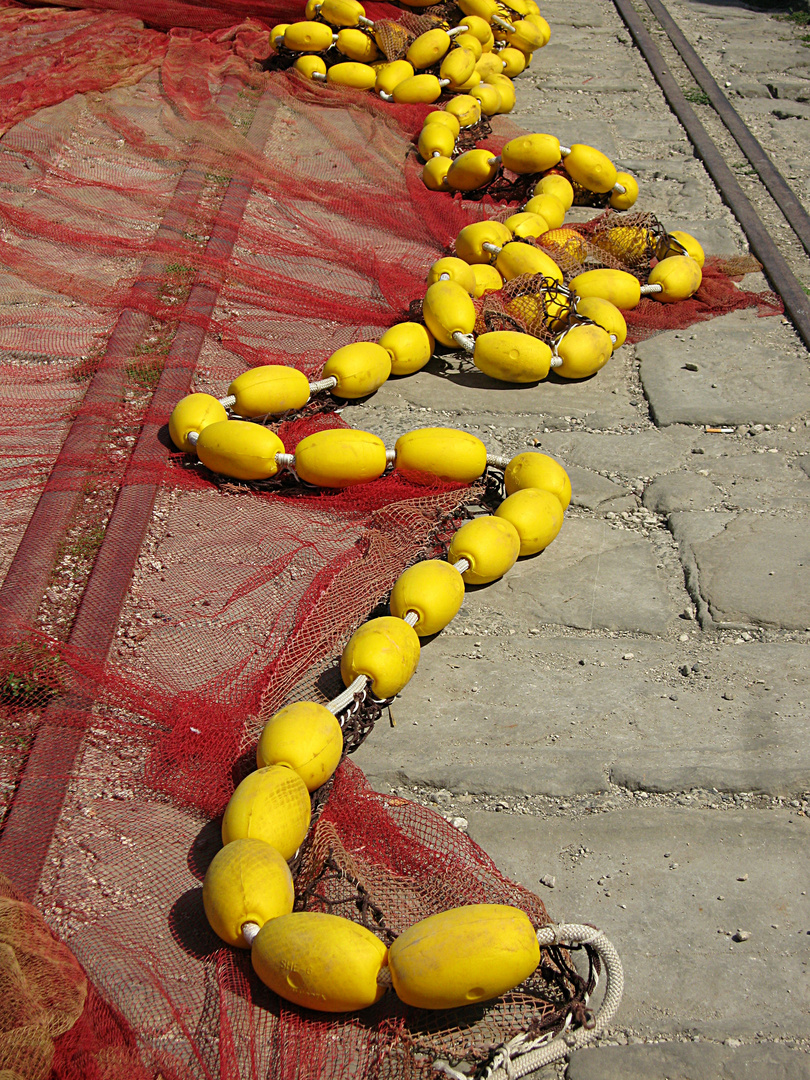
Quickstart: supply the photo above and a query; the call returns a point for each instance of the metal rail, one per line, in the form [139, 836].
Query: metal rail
[797, 304]
[780, 191]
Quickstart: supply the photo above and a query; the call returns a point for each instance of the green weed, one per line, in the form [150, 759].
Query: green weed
[29, 676]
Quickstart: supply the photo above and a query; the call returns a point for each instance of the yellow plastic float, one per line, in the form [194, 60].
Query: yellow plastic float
[386, 651]
[340, 457]
[271, 804]
[247, 881]
[320, 961]
[490, 545]
[463, 956]
[307, 738]
[443, 453]
[433, 591]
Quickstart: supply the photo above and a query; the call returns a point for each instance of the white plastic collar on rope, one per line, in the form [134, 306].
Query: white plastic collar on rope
[648, 290]
[517, 1059]
[497, 462]
[390, 457]
[228, 401]
[411, 618]
[192, 437]
[620, 189]
[464, 341]
[338, 704]
[463, 565]
[493, 249]
[249, 931]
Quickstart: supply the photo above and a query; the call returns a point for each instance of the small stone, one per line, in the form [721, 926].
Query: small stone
[690, 367]
[684, 669]
[728, 695]
[628, 656]
[549, 880]
[673, 697]
[697, 450]
[733, 1043]
[743, 877]
[673, 866]
[459, 823]
[741, 935]
[683, 637]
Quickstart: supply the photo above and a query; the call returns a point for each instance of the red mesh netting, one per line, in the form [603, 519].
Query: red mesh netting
[172, 213]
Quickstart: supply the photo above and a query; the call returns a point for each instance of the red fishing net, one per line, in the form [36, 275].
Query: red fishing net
[172, 213]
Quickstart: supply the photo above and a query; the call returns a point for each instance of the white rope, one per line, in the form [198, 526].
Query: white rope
[249, 931]
[504, 25]
[497, 462]
[192, 437]
[339, 703]
[648, 290]
[448, 1070]
[228, 401]
[463, 565]
[390, 457]
[520, 1057]
[493, 249]
[285, 461]
[322, 384]
[620, 189]
[564, 150]
[411, 618]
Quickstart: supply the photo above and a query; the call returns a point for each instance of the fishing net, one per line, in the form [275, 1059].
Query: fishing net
[175, 211]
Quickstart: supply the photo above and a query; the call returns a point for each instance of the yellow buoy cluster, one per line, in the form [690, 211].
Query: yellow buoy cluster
[493, 42]
[327, 962]
[477, 952]
[560, 170]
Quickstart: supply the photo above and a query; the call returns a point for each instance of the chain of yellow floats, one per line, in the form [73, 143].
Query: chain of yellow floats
[476, 952]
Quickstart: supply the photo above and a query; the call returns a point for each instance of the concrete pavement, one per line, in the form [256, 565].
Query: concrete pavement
[625, 715]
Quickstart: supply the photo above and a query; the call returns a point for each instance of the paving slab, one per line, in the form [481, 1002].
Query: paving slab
[737, 369]
[690, 1061]
[590, 491]
[580, 715]
[757, 570]
[593, 575]
[681, 491]
[670, 887]
[643, 452]
[462, 389]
